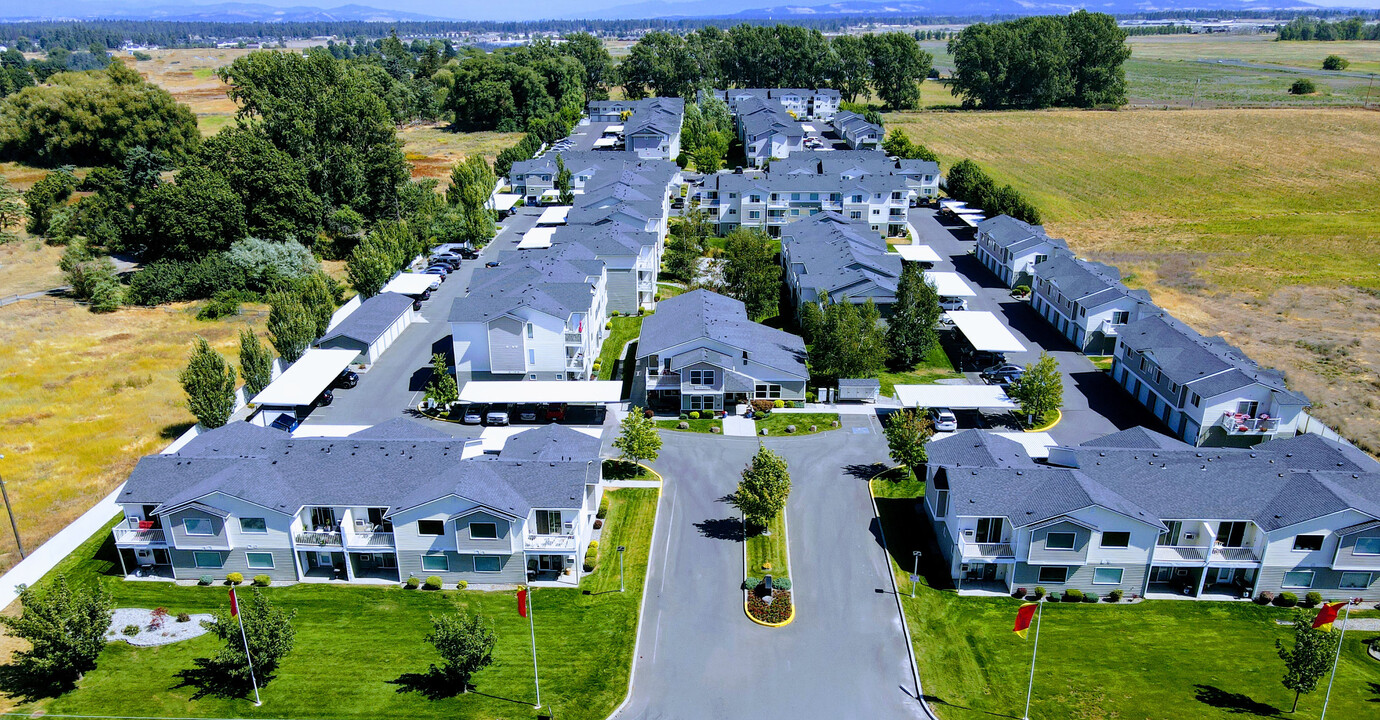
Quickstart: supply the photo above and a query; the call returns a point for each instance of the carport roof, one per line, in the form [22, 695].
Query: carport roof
[520, 391]
[950, 284]
[985, 331]
[410, 284]
[554, 215]
[304, 381]
[981, 397]
[917, 253]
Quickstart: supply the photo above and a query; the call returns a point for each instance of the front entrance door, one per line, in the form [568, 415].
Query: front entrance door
[1162, 574]
[989, 572]
[160, 557]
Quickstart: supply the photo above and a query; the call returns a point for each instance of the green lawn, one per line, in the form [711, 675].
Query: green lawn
[357, 646]
[897, 482]
[776, 423]
[1157, 659]
[624, 470]
[668, 291]
[625, 328]
[1102, 362]
[701, 425]
[763, 548]
[935, 366]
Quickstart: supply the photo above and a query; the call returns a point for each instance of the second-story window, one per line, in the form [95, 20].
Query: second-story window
[484, 531]
[1060, 541]
[1308, 543]
[253, 525]
[1120, 317]
[1116, 539]
[529, 330]
[431, 527]
[701, 377]
[198, 526]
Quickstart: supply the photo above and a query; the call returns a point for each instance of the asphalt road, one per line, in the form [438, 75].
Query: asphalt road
[1093, 404]
[699, 656]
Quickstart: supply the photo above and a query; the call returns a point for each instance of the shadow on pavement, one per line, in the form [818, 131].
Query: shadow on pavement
[721, 529]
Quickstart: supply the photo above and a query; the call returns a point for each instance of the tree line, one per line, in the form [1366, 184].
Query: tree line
[1037, 62]
[968, 182]
[1309, 28]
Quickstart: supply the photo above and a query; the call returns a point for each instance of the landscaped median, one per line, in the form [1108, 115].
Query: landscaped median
[699, 425]
[361, 652]
[765, 553]
[781, 423]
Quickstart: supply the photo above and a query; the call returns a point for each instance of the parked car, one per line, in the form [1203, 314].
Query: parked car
[497, 414]
[286, 422]
[952, 303]
[467, 253]
[450, 264]
[553, 412]
[1003, 374]
[527, 412]
[437, 270]
[325, 398]
[347, 379]
[474, 414]
[943, 420]
[491, 264]
[417, 304]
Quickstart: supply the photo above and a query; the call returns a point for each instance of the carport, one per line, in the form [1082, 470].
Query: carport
[297, 388]
[950, 284]
[412, 284]
[984, 333]
[538, 238]
[554, 215]
[917, 253]
[954, 397]
[503, 203]
[372, 327]
[594, 392]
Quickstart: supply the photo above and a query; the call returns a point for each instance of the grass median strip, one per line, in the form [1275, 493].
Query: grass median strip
[776, 423]
[766, 550]
[701, 425]
[622, 329]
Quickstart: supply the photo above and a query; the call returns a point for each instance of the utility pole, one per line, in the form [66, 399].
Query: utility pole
[1369, 85]
[621, 548]
[915, 576]
[10, 509]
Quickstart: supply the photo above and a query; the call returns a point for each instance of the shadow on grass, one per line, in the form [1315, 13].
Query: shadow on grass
[26, 685]
[936, 700]
[722, 529]
[905, 530]
[175, 430]
[213, 678]
[434, 684]
[1374, 690]
[1232, 702]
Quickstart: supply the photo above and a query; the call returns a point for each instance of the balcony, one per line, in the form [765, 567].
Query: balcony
[575, 363]
[369, 539]
[1239, 424]
[1181, 555]
[574, 338]
[320, 539]
[1235, 555]
[992, 552]
[138, 536]
[552, 543]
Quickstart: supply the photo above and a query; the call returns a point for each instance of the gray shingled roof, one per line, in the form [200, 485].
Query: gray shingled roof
[1088, 283]
[704, 314]
[1209, 366]
[974, 448]
[371, 319]
[551, 443]
[1006, 230]
[830, 253]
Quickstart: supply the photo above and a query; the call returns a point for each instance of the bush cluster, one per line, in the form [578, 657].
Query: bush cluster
[433, 582]
[603, 511]
[968, 182]
[262, 581]
[412, 583]
[1313, 599]
[1286, 599]
[777, 612]
[234, 578]
[592, 554]
[1073, 595]
[184, 617]
[130, 630]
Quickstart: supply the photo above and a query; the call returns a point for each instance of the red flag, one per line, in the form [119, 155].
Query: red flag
[1024, 614]
[522, 602]
[235, 604]
[1327, 614]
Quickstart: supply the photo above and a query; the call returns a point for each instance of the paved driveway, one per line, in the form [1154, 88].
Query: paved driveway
[1093, 404]
[700, 657]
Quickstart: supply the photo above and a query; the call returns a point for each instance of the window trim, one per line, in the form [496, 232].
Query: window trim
[1040, 576]
[1120, 573]
[493, 525]
[475, 564]
[420, 532]
[1355, 549]
[1284, 579]
[188, 530]
[1321, 539]
[432, 556]
[1073, 541]
[1103, 541]
[272, 561]
[1341, 580]
[247, 531]
[197, 555]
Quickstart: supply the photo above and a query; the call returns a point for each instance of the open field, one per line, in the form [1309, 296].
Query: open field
[83, 396]
[432, 150]
[1364, 55]
[360, 651]
[28, 265]
[1259, 225]
[189, 74]
[1103, 661]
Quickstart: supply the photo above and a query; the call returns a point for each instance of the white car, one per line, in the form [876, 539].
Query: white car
[944, 420]
[952, 303]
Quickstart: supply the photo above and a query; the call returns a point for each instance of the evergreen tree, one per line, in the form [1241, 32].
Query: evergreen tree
[910, 331]
[564, 183]
[442, 388]
[210, 385]
[256, 363]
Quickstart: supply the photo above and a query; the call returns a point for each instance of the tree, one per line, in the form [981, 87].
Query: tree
[273, 187]
[1335, 62]
[1041, 62]
[898, 68]
[270, 635]
[1303, 86]
[1041, 390]
[762, 493]
[65, 628]
[849, 342]
[851, 71]
[1309, 659]
[899, 145]
[11, 209]
[595, 59]
[256, 363]
[45, 196]
[197, 215]
[369, 268]
[637, 438]
[907, 431]
[685, 247]
[318, 300]
[442, 388]
[810, 319]
[563, 183]
[751, 274]
[291, 328]
[910, 331]
[209, 382]
[466, 644]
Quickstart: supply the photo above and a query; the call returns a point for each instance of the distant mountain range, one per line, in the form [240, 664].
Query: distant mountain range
[219, 12]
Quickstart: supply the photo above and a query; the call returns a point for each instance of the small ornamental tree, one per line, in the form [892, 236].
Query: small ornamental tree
[270, 634]
[1041, 390]
[466, 644]
[65, 628]
[910, 332]
[210, 385]
[442, 388]
[907, 432]
[256, 363]
[1309, 659]
[637, 438]
[762, 493]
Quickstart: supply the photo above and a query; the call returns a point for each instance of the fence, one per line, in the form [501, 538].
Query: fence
[1314, 426]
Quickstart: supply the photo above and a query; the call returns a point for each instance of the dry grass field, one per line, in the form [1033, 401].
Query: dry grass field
[29, 266]
[432, 150]
[1364, 56]
[189, 74]
[1260, 225]
[83, 396]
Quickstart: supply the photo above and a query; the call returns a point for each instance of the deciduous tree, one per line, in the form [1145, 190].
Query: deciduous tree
[256, 363]
[898, 68]
[466, 644]
[910, 331]
[1309, 659]
[271, 637]
[442, 388]
[850, 342]
[209, 382]
[762, 493]
[291, 328]
[65, 629]
[637, 438]
[1041, 390]
[907, 431]
[751, 274]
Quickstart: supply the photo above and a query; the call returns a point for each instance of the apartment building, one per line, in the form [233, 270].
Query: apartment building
[802, 104]
[535, 179]
[771, 200]
[766, 130]
[827, 253]
[390, 502]
[1011, 248]
[921, 177]
[1086, 302]
[1141, 512]
[651, 127]
[857, 132]
[1207, 391]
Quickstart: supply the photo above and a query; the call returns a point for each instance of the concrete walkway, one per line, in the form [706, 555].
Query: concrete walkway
[32, 568]
[739, 426]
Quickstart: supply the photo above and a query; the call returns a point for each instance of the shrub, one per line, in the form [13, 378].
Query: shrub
[684, 416]
[603, 507]
[762, 406]
[1265, 597]
[598, 523]
[1303, 86]
[234, 578]
[1313, 599]
[1287, 599]
[648, 413]
[205, 580]
[641, 311]
[130, 630]
[694, 414]
[810, 396]
[1073, 595]
[1019, 593]
[1090, 597]
[184, 617]
[1054, 597]
[1021, 290]
[1335, 62]
[592, 553]
[262, 581]
[412, 583]
[777, 612]
[157, 618]
[1039, 592]
[751, 583]
[608, 325]
[223, 304]
[1114, 596]
[779, 404]
[781, 583]
[463, 584]
[433, 582]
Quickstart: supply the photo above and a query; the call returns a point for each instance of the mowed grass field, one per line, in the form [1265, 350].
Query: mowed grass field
[1364, 55]
[84, 396]
[1257, 224]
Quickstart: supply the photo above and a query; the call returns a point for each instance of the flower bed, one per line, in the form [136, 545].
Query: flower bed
[779, 611]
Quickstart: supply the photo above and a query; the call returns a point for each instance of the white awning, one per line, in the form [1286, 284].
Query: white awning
[971, 219]
[518, 391]
[807, 127]
[304, 381]
[554, 215]
[953, 205]
[985, 331]
[537, 238]
[604, 142]
[616, 128]
[411, 283]
[503, 202]
[950, 284]
[917, 253]
[963, 397]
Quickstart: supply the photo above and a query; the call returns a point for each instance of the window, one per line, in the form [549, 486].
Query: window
[1298, 579]
[483, 531]
[1355, 580]
[941, 503]
[531, 357]
[208, 559]
[1059, 541]
[755, 213]
[1120, 317]
[1052, 574]
[198, 526]
[1116, 539]
[1107, 576]
[1308, 543]
[259, 560]
[435, 562]
[701, 377]
[487, 563]
[529, 330]
[1193, 398]
[431, 527]
[854, 215]
[253, 525]
[755, 198]
[1367, 546]
[701, 402]
[766, 391]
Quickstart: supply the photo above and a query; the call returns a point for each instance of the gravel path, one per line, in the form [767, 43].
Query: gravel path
[171, 632]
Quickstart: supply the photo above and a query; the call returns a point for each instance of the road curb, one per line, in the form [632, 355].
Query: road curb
[786, 528]
[1059, 415]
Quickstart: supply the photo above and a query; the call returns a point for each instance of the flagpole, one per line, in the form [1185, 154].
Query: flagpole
[531, 624]
[1030, 687]
[1335, 658]
[245, 638]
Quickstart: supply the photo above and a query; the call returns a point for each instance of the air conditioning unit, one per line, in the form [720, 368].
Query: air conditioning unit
[967, 533]
[964, 567]
[1190, 536]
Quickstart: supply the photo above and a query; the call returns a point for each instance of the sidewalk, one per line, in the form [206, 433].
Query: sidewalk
[739, 426]
[32, 568]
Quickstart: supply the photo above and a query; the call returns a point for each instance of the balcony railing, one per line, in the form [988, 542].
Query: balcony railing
[135, 536]
[1198, 554]
[369, 539]
[550, 542]
[574, 338]
[990, 551]
[1235, 554]
[322, 539]
[575, 363]
[1236, 424]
